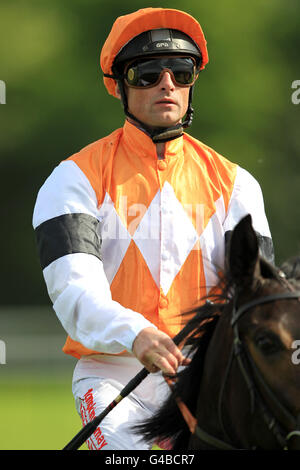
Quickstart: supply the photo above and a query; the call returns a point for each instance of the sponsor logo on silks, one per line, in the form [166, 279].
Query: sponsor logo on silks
[87, 411]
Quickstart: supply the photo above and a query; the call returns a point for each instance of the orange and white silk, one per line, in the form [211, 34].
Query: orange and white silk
[161, 224]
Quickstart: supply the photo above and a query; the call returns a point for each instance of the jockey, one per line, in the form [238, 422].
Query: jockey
[132, 229]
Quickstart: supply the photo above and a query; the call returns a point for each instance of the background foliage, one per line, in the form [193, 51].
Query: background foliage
[56, 104]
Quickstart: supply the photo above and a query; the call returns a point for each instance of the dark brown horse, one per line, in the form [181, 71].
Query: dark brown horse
[242, 386]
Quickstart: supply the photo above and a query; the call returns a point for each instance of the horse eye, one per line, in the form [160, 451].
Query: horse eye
[268, 343]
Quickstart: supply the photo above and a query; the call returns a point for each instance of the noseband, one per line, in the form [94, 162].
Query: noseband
[254, 378]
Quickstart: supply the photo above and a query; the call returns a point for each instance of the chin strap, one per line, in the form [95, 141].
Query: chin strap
[160, 134]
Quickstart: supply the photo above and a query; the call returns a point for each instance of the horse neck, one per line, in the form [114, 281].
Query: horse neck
[221, 379]
[216, 360]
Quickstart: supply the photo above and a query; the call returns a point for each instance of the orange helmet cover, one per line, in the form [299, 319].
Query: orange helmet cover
[129, 26]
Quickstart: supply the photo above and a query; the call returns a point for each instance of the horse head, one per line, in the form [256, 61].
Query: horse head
[242, 385]
[258, 398]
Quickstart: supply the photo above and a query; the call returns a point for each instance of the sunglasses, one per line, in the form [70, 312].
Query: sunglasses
[148, 72]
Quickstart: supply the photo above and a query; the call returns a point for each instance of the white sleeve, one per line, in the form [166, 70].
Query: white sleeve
[75, 280]
[247, 198]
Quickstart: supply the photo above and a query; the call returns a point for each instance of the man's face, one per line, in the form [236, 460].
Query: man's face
[163, 105]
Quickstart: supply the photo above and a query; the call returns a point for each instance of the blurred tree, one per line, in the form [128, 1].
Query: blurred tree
[57, 104]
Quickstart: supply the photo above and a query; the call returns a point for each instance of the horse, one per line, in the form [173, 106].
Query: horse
[242, 388]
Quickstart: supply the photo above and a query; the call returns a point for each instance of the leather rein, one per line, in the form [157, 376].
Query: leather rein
[252, 377]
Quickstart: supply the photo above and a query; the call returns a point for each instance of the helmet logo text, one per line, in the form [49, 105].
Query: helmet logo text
[162, 44]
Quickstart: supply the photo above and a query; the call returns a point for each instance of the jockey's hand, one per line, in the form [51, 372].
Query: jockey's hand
[156, 351]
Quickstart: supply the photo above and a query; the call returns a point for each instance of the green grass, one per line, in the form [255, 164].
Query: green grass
[37, 413]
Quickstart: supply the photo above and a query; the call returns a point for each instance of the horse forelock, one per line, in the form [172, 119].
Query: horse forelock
[287, 276]
[291, 268]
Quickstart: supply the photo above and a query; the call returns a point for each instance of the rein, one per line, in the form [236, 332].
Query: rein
[193, 425]
[252, 377]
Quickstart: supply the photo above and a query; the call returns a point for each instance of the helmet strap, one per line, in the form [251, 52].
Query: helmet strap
[159, 134]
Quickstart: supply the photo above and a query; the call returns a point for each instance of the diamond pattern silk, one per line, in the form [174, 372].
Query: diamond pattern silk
[155, 216]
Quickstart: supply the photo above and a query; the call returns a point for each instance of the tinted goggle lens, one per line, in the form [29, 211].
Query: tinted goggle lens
[148, 73]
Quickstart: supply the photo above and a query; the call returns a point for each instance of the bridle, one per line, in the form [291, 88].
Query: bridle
[256, 386]
[255, 381]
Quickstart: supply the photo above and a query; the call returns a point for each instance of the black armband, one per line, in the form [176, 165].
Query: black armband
[67, 234]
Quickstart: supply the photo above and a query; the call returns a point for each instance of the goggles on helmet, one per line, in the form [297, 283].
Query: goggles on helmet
[147, 73]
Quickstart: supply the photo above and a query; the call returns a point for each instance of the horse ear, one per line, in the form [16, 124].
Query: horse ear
[243, 258]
